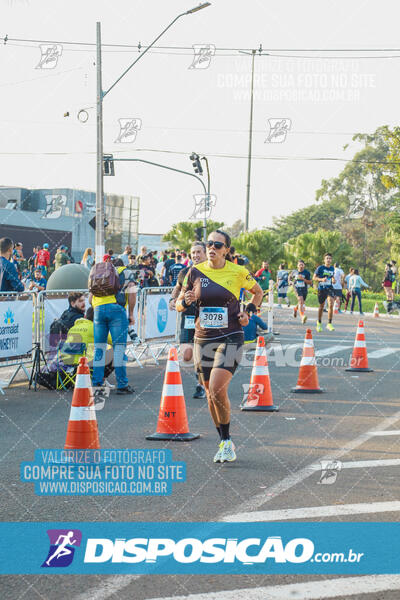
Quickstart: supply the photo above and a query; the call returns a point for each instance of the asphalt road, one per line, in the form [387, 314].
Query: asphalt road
[272, 473]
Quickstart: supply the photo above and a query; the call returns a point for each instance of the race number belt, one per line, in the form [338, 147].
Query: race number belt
[213, 317]
[189, 322]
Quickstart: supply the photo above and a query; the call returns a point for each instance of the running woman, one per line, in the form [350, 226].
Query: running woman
[301, 279]
[186, 337]
[324, 274]
[214, 288]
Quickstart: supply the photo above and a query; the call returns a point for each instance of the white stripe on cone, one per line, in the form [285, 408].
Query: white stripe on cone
[260, 370]
[259, 351]
[172, 366]
[172, 389]
[360, 344]
[82, 381]
[307, 360]
[308, 344]
[82, 413]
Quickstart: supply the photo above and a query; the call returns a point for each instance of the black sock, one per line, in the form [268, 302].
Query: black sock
[224, 431]
[219, 432]
[329, 320]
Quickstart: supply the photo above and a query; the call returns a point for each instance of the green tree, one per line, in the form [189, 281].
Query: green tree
[258, 246]
[236, 229]
[311, 247]
[182, 234]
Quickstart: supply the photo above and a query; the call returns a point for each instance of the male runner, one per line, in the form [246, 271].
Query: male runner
[282, 284]
[263, 276]
[324, 274]
[301, 279]
[186, 337]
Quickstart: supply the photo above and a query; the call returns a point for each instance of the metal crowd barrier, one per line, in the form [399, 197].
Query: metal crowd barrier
[18, 332]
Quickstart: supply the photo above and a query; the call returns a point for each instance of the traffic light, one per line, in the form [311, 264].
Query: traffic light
[196, 163]
[108, 164]
[199, 233]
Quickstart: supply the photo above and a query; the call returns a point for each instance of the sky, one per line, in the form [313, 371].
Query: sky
[322, 97]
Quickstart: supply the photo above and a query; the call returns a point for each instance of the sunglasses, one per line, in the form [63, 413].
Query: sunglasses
[217, 245]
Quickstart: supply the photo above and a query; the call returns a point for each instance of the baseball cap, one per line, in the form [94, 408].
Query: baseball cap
[106, 257]
[45, 245]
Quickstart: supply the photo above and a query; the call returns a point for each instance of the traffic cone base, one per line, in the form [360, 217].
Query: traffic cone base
[259, 397]
[172, 422]
[175, 437]
[361, 370]
[299, 390]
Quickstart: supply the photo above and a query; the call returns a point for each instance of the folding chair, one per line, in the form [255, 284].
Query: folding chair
[66, 374]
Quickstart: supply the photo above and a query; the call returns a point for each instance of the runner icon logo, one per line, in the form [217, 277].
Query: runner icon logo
[62, 547]
[329, 471]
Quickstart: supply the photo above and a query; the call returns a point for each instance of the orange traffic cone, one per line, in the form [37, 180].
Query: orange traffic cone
[259, 397]
[172, 418]
[82, 429]
[307, 382]
[337, 306]
[376, 310]
[359, 358]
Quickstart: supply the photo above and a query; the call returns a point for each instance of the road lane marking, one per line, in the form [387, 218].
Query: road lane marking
[311, 512]
[391, 432]
[382, 352]
[298, 476]
[310, 590]
[331, 350]
[116, 584]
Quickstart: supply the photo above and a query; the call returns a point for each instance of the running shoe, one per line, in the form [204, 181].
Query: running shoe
[319, 326]
[218, 456]
[330, 327]
[200, 392]
[228, 451]
[295, 311]
[304, 319]
[128, 389]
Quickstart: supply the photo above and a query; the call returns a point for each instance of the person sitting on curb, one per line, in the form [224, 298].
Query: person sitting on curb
[250, 330]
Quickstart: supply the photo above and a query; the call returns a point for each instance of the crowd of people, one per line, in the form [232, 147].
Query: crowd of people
[210, 286]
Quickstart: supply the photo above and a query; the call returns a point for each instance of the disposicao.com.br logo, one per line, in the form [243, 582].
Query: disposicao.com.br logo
[62, 547]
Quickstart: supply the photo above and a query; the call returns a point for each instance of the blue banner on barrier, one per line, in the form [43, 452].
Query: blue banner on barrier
[199, 548]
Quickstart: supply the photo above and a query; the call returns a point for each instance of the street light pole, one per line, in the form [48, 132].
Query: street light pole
[207, 200]
[246, 223]
[100, 96]
[99, 240]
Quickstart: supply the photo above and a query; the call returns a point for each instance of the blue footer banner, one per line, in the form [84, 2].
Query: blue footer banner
[195, 548]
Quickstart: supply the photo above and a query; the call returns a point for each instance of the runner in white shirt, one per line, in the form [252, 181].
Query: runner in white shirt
[338, 285]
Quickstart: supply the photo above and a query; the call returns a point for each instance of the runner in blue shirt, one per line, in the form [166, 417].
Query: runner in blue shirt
[300, 279]
[324, 274]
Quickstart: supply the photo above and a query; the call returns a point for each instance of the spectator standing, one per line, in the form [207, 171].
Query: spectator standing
[132, 261]
[125, 255]
[38, 283]
[109, 317]
[175, 269]
[387, 284]
[61, 258]
[355, 284]
[18, 256]
[263, 276]
[9, 280]
[32, 259]
[338, 285]
[43, 259]
[168, 263]
[88, 258]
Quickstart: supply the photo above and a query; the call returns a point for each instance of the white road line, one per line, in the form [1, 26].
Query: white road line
[298, 476]
[311, 590]
[343, 340]
[390, 432]
[331, 350]
[105, 590]
[363, 464]
[311, 512]
[382, 352]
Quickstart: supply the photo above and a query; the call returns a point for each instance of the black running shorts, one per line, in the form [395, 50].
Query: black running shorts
[222, 353]
[324, 293]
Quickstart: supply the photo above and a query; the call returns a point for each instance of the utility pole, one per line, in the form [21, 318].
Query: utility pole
[207, 202]
[99, 240]
[246, 222]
